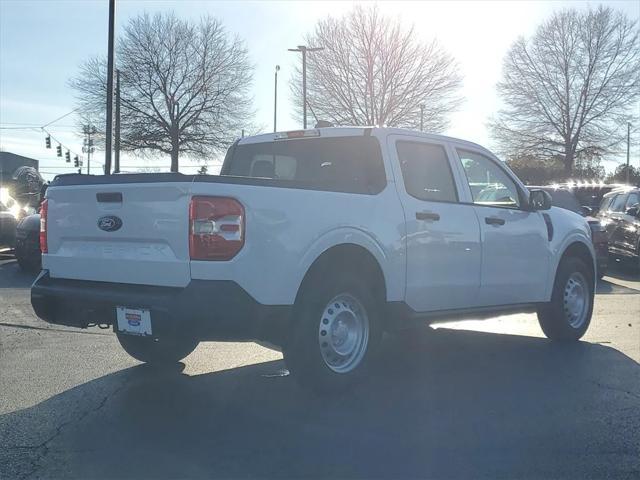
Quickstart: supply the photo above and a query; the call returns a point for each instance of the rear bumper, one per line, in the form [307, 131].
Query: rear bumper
[206, 309]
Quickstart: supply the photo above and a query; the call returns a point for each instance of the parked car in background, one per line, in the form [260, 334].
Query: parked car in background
[620, 214]
[27, 243]
[8, 222]
[589, 193]
[565, 197]
[19, 210]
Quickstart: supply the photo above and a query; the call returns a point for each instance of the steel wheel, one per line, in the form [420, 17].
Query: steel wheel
[576, 300]
[343, 333]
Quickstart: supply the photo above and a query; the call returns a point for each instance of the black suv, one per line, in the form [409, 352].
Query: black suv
[566, 198]
[620, 216]
[8, 223]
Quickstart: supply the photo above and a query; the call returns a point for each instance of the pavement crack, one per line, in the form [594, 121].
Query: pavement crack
[30, 327]
[616, 389]
[43, 447]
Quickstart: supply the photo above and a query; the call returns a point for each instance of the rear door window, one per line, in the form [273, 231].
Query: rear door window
[426, 171]
[341, 164]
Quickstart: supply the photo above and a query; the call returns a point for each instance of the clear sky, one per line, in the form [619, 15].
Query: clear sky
[42, 42]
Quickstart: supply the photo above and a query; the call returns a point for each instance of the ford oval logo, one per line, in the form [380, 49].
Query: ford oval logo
[110, 223]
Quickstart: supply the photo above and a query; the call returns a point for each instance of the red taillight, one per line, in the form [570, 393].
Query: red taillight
[44, 208]
[216, 228]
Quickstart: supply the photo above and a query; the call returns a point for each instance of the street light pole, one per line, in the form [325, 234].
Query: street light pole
[88, 148]
[107, 150]
[116, 158]
[275, 100]
[628, 149]
[304, 49]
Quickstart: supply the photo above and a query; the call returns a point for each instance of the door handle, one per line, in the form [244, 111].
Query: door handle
[434, 217]
[494, 221]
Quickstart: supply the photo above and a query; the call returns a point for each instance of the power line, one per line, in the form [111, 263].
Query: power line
[60, 118]
[27, 124]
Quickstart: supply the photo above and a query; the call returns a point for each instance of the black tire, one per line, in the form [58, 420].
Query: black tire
[555, 317]
[303, 353]
[158, 352]
[28, 263]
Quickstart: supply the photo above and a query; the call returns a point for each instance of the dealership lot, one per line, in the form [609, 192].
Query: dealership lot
[470, 399]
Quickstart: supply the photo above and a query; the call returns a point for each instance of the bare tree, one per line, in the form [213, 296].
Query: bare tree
[373, 71]
[184, 86]
[568, 90]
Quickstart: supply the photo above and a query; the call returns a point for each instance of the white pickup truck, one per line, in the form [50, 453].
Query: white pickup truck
[317, 241]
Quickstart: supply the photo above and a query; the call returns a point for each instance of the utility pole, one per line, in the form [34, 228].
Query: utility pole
[109, 133]
[275, 100]
[175, 136]
[628, 149]
[116, 158]
[422, 117]
[88, 145]
[303, 49]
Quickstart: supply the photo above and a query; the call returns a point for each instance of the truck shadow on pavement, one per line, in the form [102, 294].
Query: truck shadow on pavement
[442, 404]
[12, 277]
[623, 270]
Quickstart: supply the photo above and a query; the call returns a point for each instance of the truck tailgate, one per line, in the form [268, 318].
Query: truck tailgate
[126, 233]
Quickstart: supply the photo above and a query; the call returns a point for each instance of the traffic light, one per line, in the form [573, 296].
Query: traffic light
[47, 141]
[59, 150]
[67, 156]
[75, 161]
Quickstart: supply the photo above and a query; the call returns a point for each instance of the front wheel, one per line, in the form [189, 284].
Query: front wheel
[568, 314]
[160, 352]
[336, 331]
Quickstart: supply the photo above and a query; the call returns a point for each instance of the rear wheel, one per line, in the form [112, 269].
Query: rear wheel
[165, 351]
[568, 315]
[337, 328]
[28, 261]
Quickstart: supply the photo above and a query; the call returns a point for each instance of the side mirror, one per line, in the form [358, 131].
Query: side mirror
[539, 200]
[586, 211]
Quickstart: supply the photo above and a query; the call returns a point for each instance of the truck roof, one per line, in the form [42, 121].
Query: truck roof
[348, 132]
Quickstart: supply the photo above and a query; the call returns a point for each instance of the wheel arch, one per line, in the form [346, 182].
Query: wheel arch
[579, 249]
[349, 256]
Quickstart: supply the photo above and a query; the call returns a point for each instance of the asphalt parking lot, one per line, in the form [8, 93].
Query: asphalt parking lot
[490, 399]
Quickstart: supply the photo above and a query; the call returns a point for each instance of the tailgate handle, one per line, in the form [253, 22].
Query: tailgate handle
[109, 197]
